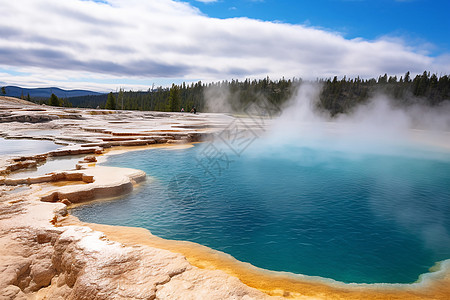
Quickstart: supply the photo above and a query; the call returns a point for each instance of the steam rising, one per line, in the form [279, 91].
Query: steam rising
[377, 127]
[374, 127]
[217, 99]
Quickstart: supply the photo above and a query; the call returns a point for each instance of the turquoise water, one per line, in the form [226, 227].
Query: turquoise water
[25, 146]
[365, 218]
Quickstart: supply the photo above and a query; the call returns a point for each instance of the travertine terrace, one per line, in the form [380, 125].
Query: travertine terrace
[40, 259]
[46, 254]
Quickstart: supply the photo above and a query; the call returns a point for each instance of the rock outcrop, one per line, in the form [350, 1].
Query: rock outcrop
[103, 182]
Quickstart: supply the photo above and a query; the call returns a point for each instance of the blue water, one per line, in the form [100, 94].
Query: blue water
[363, 218]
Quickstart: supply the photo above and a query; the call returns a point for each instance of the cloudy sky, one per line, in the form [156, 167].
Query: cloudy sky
[103, 45]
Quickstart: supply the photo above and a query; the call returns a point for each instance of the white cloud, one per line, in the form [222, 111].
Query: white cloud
[206, 1]
[76, 41]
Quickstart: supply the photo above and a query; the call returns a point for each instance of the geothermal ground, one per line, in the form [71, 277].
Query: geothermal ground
[47, 254]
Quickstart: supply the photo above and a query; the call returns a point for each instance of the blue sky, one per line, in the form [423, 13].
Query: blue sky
[422, 22]
[133, 44]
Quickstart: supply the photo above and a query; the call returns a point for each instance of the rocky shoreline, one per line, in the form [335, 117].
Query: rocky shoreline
[41, 259]
[47, 254]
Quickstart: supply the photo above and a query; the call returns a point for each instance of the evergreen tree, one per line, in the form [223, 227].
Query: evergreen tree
[382, 79]
[28, 97]
[65, 102]
[337, 95]
[120, 98]
[53, 101]
[174, 98]
[111, 101]
[3, 90]
[407, 78]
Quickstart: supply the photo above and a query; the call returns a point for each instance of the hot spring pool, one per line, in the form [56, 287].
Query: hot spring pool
[365, 218]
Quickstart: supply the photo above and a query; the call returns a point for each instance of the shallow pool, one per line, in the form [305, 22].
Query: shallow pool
[51, 165]
[26, 146]
[362, 218]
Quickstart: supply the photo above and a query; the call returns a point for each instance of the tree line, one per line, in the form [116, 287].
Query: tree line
[176, 97]
[337, 95]
[340, 96]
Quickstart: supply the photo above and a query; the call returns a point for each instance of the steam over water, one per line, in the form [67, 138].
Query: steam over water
[357, 200]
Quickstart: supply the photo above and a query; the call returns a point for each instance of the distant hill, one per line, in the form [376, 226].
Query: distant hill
[15, 91]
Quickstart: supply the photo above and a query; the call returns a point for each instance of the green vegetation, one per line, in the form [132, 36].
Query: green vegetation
[3, 90]
[241, 93]
[340, 96]
[54, 101]
[337, 95]
[111, 101]
[174, 98]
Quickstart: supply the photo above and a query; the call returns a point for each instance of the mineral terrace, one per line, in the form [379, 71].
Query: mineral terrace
[46, 254]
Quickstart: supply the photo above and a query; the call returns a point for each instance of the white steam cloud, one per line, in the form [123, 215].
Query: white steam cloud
[378, 127]
[217, 99]
[372, 127]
